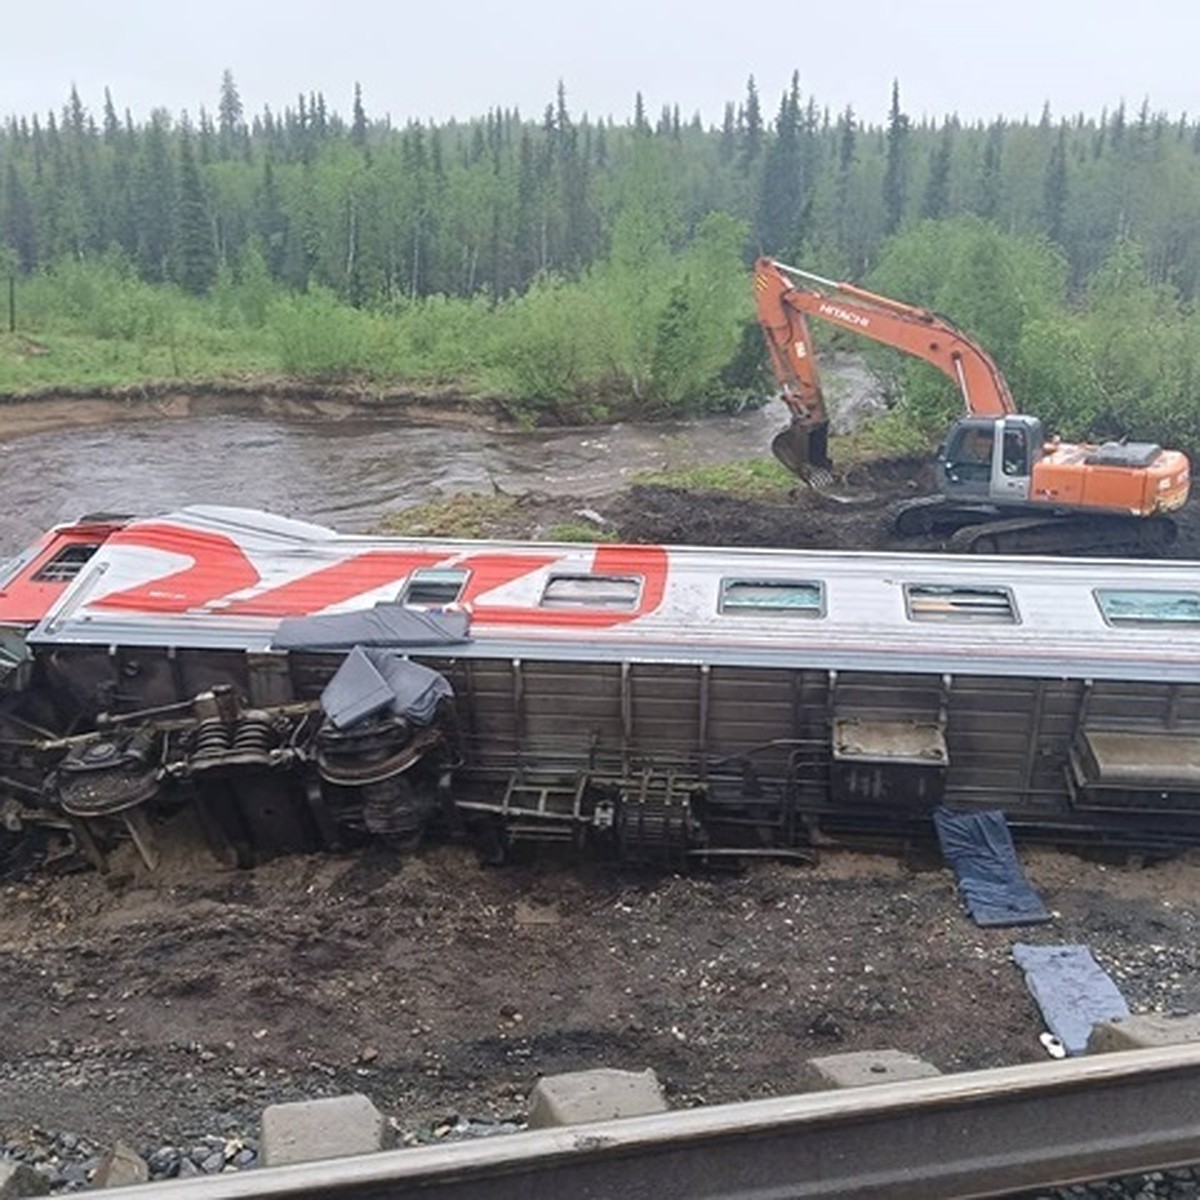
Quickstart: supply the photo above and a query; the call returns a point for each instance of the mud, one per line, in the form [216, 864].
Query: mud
[158, 1008]
[860, 517]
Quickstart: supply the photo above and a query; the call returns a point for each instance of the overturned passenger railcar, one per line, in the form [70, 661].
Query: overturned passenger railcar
[293, 688]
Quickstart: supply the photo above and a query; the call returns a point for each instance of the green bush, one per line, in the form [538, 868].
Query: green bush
[988, 283]
[551, 344]
[102, 298]
[319, 337]
[440, 337]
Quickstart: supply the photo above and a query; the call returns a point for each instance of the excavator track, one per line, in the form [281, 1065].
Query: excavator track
[988, 529]
[934, 515]
[1074, 534]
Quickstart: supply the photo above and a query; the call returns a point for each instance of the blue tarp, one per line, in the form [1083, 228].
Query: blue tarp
[1073, 991]
[980, 851]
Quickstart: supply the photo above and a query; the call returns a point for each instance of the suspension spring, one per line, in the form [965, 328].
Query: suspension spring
[212, 738]
[254, 732]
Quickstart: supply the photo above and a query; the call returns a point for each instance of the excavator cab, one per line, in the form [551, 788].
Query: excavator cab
[990, 458]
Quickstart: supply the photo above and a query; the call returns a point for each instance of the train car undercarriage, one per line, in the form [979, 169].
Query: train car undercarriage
[660, 763]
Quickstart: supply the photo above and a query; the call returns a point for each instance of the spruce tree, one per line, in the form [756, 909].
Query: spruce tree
[640, 124]
[112, 126]
[358, 126]
[196, 250]
[936, 202]
[727, 145]
[154, 197]
[18, 229]
[990, 183]
[895, 177]
[230, 117]
[1054, 192]
[751, 127]
[272, 222]
[781, 197]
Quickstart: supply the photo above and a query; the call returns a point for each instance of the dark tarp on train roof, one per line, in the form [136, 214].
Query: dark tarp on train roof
[384, 625]
[1071, 988]
[980, 851]
[369, 681]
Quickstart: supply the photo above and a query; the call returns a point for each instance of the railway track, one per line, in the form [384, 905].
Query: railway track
[992, 1133]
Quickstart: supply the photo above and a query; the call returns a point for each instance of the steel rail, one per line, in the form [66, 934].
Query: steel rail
[987, 1133]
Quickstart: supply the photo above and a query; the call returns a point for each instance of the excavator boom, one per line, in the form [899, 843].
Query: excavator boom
[786, 296]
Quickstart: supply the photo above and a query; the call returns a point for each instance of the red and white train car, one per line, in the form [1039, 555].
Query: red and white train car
[658, 700]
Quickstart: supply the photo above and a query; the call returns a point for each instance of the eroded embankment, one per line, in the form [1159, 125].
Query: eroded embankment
[66, 408]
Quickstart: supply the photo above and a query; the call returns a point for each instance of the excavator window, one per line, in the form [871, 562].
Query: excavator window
[970, 456]
[1016, 452]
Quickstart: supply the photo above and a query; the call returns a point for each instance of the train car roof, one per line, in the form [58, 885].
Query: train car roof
[222, 577]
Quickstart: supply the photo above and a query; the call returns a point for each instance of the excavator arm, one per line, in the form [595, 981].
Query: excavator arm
[785, 298]
[803, 445]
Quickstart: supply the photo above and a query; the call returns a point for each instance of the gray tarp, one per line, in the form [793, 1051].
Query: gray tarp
[980, 851]
[1073, 991]
[369, 681]
[383, 625]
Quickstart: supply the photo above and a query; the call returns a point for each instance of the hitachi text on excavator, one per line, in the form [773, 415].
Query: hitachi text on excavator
[1003, 487]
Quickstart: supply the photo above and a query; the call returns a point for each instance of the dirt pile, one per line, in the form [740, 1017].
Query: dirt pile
[857, 514]
[859, 517]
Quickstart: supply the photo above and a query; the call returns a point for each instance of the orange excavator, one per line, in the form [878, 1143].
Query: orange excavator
[1003, 487]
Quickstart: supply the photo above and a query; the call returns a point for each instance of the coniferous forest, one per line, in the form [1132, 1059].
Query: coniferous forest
[587, 268]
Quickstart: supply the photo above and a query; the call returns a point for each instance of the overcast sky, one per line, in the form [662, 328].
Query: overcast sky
[456, 58]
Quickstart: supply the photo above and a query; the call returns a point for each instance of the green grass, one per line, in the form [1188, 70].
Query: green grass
[463, 515]
[754, 478]
[893, 434]
[580, 531]
[33, 364]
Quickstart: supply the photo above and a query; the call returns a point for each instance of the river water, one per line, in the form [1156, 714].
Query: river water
[345, 473]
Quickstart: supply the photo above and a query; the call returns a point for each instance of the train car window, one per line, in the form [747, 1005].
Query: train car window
[66, 564]
[434, 586]
[953, 602]
[592, 591]
[800, 597]
[1122, 606]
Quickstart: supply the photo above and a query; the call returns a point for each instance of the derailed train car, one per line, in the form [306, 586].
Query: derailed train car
[292, 688]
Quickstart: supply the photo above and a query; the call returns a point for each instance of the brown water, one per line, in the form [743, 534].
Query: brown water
[346, 474]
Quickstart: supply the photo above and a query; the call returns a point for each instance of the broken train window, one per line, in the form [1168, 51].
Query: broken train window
[592, 591]
[803, 598]
[1146, 606]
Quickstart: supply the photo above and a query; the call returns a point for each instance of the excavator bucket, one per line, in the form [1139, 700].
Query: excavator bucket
[802, 449]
